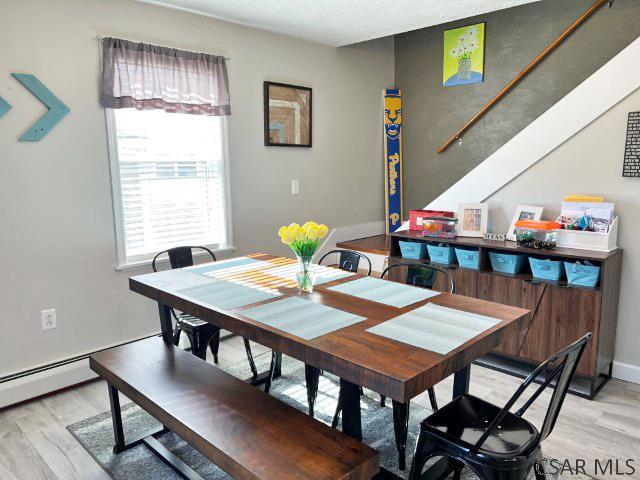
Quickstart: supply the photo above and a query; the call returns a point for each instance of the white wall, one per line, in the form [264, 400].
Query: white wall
[591, 163]
[57, 242]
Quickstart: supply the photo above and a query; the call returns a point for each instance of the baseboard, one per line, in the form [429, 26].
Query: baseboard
[42, 383]
[624, 371]
[39, 380]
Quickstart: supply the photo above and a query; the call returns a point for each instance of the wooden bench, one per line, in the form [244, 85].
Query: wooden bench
[247, 433]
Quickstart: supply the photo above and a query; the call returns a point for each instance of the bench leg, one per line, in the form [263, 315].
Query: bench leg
[116, 417]
[148, 439]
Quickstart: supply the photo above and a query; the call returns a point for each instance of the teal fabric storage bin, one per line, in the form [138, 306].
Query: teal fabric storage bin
[414, 250]
[468, 258]
[443, 254]
[546, 269]
[506, 263]
[582, 275]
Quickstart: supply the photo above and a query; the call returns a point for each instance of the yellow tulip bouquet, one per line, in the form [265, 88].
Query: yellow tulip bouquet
[304, 241]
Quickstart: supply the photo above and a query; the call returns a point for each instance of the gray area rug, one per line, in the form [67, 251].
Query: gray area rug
[96, 433]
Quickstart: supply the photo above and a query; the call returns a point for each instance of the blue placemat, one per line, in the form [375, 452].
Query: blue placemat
[302, 318]
[435, 328]
[174, 279]
[226, 294]
[384, 291]
[228, 266]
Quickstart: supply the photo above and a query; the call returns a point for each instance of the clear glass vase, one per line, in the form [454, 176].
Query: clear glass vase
[306, 273]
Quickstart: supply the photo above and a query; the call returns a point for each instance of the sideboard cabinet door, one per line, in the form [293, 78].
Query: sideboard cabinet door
[510, 291]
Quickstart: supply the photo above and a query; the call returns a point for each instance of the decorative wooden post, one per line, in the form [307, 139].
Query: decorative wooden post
[393, 159]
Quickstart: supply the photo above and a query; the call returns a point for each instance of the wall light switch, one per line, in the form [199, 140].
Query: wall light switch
[295, 187]
[48, 318]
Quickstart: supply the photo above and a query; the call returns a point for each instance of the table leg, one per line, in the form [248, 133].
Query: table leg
[351, 421]
[312, 376]
[165, 323]
[461, 381]
[277, 370]
[401, 429]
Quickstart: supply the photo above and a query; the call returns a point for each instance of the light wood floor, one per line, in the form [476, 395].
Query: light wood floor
[35, 444]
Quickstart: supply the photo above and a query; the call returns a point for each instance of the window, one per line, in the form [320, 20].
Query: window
[169, 176]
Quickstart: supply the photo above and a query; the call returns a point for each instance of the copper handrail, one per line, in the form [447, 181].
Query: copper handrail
[550, 48]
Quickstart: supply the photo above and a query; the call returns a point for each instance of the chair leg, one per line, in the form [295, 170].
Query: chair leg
[192, 340]
[487, 472]
[272, 368]
[432, 399]
[252, 364]
[203, 339]
[457, 470]
[176, 335]
[401, 429]
[214, 345]
[539, 468]
[423, 452]
[199, 347]
[383, 401]
[312, 377]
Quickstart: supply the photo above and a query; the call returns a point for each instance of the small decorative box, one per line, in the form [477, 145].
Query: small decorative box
[439, 227]
[416, 216]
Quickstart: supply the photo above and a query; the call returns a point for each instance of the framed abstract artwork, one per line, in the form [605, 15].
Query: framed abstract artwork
[463, 55]
[287, 115]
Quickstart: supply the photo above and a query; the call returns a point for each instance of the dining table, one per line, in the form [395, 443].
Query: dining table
[395, 339]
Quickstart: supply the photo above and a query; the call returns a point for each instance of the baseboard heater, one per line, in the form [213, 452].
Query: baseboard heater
[24, 374]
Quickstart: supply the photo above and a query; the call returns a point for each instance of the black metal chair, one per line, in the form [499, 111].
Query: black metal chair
[419, 275]
[349, 260]
[422, 275]
[493, 442]
[200, 333]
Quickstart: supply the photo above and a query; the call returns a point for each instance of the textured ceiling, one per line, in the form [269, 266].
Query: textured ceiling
[340, 22]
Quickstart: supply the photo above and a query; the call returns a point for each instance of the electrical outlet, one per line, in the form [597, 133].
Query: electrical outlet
[48, 318]
[295, 187]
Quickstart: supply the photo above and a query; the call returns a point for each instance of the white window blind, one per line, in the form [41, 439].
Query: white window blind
[170, 181]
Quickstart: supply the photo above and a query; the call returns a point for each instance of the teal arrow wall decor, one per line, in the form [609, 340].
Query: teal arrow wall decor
[57, 109]
[4, 107]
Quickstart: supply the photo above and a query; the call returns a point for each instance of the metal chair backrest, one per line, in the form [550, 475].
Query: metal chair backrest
[180, 257]
[423, 275]
[564, 364]
[349, 260]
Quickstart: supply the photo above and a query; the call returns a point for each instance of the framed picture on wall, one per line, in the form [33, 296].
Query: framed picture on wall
[523, 212]
[287, 115]
[472, 219]
[463, 55]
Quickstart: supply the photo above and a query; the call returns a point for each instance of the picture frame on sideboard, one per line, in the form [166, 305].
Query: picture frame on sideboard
[473, 219]
[523, 212]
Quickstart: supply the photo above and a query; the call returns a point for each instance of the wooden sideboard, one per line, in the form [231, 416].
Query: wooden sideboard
[561, 313]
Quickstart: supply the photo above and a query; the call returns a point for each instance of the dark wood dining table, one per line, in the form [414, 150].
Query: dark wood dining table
[359, 358]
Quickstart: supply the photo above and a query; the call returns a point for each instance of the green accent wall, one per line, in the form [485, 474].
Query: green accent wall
[432, 113]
